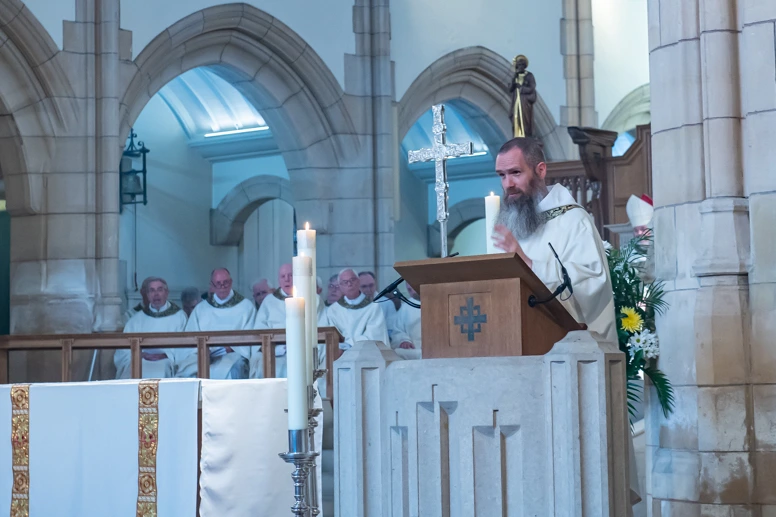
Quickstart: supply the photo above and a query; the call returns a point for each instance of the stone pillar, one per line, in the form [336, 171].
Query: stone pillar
[108, 148]
[758, 85]
[704, 459]
[54, 280]
[370, 93]
[576, 45]
[358, 377]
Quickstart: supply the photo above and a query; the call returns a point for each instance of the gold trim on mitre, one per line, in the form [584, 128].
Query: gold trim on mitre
[148, 441]
[20, 443]
[519, 56]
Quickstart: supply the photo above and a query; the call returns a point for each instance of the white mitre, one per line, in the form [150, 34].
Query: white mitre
[640, 211]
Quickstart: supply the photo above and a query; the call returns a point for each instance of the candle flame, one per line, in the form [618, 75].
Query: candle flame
[293, 292]
[491, 192]
[306, 226]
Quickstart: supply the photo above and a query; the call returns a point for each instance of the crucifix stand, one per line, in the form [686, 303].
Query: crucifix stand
[478, 307]
[439, 154]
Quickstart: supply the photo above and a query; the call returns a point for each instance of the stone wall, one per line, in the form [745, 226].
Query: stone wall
[713, 168]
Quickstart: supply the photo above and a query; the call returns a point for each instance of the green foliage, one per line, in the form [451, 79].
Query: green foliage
[646, 299]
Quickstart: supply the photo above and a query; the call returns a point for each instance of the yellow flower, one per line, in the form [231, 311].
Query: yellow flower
[631, 322]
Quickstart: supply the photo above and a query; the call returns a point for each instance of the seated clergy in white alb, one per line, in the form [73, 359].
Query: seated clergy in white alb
[356, 317]
[272, 315]
[533, 216]
[406, 335]
[159, 315]
[224, 309]
[387, 304]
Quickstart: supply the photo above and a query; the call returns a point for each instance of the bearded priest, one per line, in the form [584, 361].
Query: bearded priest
[224, 309]
[356, 317]
[159, 315]
[532, 216]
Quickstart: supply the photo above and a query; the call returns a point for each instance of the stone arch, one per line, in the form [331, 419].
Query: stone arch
[36, 99]
[269, 63]
[462, 214]
[228, 218]
[475, 80]
[633, 110]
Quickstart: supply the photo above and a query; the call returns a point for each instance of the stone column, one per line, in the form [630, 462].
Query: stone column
[108, 144]
[358, 469]
[576, 45]
[54, 281]
[703, 459]
[758, 87]
[369, 92]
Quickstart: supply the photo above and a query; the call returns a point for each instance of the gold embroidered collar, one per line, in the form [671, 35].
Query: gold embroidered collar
[366, 301]
[278, 293]
[169, 311]
[552, 213]
[231, 302]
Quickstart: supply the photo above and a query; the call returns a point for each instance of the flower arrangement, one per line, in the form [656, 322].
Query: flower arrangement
[636, 304]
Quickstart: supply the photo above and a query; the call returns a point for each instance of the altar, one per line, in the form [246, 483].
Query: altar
[142, 448]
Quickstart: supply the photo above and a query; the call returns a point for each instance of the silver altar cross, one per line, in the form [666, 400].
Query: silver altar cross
[439, 153]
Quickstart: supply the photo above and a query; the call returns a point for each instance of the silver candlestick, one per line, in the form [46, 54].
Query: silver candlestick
[313, 413]
[300, 455]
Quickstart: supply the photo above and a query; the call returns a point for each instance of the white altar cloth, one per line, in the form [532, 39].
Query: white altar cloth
[83, 449]
[242, 475]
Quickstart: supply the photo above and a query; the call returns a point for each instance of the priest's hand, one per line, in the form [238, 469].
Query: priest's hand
[503, 239]
[407, 345]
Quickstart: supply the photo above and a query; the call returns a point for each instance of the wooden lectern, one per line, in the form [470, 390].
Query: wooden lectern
[478, 307]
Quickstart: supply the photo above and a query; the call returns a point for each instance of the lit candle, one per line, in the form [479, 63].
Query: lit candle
[305, 244]
[296, 362]
[492, 207]
[302, 266]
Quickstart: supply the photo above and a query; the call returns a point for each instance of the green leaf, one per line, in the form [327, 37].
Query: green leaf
[663, 387]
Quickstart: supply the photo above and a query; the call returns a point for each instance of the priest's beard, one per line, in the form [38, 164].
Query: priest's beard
[521, 215]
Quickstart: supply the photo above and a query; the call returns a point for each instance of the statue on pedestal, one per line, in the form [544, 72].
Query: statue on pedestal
[523, 88]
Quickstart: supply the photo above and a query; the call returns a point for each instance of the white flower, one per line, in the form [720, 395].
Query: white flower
[646, 341]
[607, 246]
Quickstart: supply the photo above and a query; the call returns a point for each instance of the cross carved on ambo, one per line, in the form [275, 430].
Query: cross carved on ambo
[440, 153]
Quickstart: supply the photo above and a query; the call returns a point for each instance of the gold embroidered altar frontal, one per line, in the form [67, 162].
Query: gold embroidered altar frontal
[148, 428]
[20, 443]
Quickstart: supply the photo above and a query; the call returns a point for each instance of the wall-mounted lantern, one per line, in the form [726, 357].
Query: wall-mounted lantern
[132, 182]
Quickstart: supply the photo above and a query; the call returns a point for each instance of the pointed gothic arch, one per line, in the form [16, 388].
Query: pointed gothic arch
[228, 218]
[475, 80]
[36, 99]
[462, 214]
[269, 63]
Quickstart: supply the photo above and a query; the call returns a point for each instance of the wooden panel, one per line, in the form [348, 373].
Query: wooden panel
[421, 273]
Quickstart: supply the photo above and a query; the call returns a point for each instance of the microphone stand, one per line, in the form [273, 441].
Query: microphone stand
[392, 288]
[533, 301]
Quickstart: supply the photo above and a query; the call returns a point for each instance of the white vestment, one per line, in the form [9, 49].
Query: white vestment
[575, 238]
[578, 244]
[389, 313]
[358, 320]
[407, 328]
[272, 315]
[234, 313]
[170, 318]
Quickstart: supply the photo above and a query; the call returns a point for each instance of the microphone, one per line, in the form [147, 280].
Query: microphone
[533, 301]
[396, 283]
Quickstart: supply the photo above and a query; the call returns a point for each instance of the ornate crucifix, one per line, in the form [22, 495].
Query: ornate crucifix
[439, 153]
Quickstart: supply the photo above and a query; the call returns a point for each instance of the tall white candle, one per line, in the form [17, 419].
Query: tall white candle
[296, 349]
[302, 266]
[305, 244]
[492, 207]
